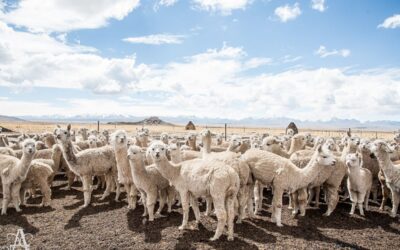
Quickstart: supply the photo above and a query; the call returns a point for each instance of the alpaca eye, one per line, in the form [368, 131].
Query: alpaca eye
[162, 149]
[153, 149]
[324, 157]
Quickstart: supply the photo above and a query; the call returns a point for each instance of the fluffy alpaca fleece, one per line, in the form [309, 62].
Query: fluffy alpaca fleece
[298, 142]
[55, 162]
[241, 168]
[83, 132]
[120, 144]
[48, 138]
[150, 183]
[359, 183]
[92, 140]
[37, 177]
[175, 153]
[281, 174]
[390, 171]
[164, 138]
[191, 141]
[7, 151]
[201, 177]
[89, 163]
[13, 172]
[369, 161]
[330, 178]
[3, 141]
[142, 138]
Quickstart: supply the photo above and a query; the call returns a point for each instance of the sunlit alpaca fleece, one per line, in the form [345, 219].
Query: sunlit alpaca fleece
[282, 174]
[120, 143]
[13, 172]
[369, 161]
[38, 177]
[241, 168]
[359, 183]
[7, 151]
[92, 140]
[49, 139]
[273, 145]
[150, 183]
[164, 138]
[390, 171]
[89, 163]
[201, 177]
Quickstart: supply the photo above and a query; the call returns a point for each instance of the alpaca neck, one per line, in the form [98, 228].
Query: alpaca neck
[170, 171]
[137, 166]
[24, 164]
[384, 162]
[192, 144]
[206, 150]
[68, 153]
[294, 147]
[176, 157]
[308, 173]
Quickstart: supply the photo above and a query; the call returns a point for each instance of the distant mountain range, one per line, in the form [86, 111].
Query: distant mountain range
[281, 122]
[4, 118]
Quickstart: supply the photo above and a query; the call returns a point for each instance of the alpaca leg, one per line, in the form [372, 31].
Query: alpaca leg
[87, 189]
[366, 200]
[250, 207]
[258, 197]
[22, 192]
[209, 204]
[71, 178]
[333, 198]
[171, 197]
[277, 205]
[117, 189]
[242, 204]
[6, 197]
[360, 201]
[46, 192]
[295, 202]
[15, 188]
[317, 194]
[195, 207]
[290, 206]
[353, 198]
[143, 197]
[395, 201]
[220, 210]
[185, 208]
[162, 201]
[230, 209]
[302, 200]
[311, 193]
[133, 192]
[385, 195]
[151, 200]
[109, 181]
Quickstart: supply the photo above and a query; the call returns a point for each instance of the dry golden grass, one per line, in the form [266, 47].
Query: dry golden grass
[38, 127]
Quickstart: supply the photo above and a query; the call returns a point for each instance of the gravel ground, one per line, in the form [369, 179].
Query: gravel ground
[110, 225]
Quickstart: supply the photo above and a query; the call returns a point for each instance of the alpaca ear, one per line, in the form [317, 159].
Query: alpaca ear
[69, 127]
[319, 148]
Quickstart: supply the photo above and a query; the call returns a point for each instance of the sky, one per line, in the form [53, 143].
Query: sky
[309, 60]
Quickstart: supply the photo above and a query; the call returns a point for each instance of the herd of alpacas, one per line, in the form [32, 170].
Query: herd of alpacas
[228, 176]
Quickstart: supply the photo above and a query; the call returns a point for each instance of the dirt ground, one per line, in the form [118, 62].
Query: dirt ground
[110, 225]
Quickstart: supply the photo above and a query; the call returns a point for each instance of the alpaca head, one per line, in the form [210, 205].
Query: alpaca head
[28, 147]
[164, 137]
[299, 141]
[270, 143]
[143, 135]
[135, 153]
[39, 145]
[191, 137]
[174, 150]
[330, 144]
[206, 136]
[83, 131]
[92, 139]
[364, 146]
[93, 132]
[119, 139]
[380, 147]
[63, 135]
[353, 160]
[157, 151]
[290, 131]
[256, 144]
[396, 138]
[219, 138]
[235, 143]
[324, 157]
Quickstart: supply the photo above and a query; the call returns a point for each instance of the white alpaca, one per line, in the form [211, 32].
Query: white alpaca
[273, 145]
[38, 177]
[201, 177]
[84, 133]
[191, 141]
[120, 143]
[13, 172]
[92, 140]
[390, 171]
[7, 151]
[89, 163]
[164, 138]
[49, 139]
[281, 174]
[359, 183]
[150, 183]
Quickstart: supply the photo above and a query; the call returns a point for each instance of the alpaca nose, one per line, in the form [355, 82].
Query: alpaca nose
[157, 154]
[58, 136]
[334, 162]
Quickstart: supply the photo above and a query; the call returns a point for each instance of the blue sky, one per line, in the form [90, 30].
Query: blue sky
[310, 59]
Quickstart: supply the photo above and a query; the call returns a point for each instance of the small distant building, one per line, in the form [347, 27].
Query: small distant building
[190, 126]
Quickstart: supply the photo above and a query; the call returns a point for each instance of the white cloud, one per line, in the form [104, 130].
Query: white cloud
[167, 2]
[156, 39]
[323, 52]
[66, 15]
[318, 5]
[391, 22]
[225, 7]
[207, 84]
[288, 12]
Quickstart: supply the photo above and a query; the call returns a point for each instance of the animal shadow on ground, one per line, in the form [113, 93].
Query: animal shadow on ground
[17, 219]
[151, 229]
[74, 221]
